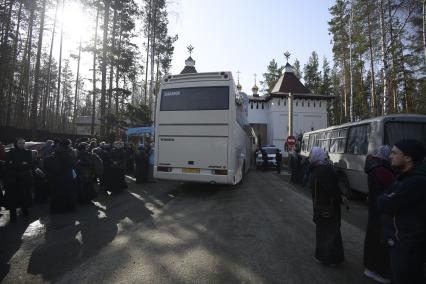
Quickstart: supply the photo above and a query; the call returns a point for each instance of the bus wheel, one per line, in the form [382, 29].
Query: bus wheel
[243, 170]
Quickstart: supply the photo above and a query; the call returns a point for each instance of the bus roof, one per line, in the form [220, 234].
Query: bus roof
[194, 77]
[391, 117]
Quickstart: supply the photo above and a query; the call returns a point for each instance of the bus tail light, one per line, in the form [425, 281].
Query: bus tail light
[164, 169]
[220, 172]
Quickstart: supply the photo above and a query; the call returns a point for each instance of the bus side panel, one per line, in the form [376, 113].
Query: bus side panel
[193, 152]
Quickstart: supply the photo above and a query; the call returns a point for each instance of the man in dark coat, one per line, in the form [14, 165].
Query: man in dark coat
[60, 170]
[18, 179]
[279, 160]
[327, 213]
[404, 213]
[380, 177]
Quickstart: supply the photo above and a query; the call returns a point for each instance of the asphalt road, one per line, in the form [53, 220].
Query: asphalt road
[168, 232]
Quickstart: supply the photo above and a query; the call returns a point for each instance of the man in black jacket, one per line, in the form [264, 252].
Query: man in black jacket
[404, 213]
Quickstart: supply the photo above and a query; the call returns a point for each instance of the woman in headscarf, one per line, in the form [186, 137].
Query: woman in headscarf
[19, 164]
[326, 204]
[380, 177]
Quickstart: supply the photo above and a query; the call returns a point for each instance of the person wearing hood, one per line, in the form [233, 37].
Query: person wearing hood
[18, 194]
[380, 177]
[116, 182]
[326, 205]
[404, 213]
[60, 171]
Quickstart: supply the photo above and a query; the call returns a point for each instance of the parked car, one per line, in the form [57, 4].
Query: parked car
[270, 150]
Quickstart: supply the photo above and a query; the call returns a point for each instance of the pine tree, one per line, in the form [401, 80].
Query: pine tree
[270, 78]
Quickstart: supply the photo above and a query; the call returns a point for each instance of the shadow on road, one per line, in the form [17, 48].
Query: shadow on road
[54, 244]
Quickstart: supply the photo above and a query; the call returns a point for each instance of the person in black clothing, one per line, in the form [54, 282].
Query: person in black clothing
[380, 177]
[60, 171]
[404, 213]
[327, 213]
[86, 169]
[115, 177]
[140, 161]
[279, 160]
[296, 166]
[18, 179]
[264, 160]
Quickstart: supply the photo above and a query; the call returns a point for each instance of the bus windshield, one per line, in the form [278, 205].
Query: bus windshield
[199, 98]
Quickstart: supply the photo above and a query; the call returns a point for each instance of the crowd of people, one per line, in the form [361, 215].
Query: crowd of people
[395, 241]
[64, 174]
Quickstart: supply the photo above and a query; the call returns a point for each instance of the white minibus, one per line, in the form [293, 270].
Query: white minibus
[202, 133]
[349, 144]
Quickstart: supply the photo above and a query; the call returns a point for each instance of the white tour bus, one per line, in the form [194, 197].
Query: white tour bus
[348, 144]
[201, 129]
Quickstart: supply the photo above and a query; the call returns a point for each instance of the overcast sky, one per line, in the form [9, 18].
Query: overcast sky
[245, 35]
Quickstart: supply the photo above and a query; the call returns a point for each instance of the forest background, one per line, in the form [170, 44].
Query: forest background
[378, 65]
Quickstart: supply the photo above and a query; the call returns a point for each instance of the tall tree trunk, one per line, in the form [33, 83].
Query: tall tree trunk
[117, 76]
[345, 92]
[77, 81]
[34, 102]
[147, 51]
[351, 94]
[104, 66]
[5, 57]
[111, 66]
[384, 59]
[424, 29]
[92, 128]
[373, 82]
[392, 74]
[49, 70]
[153, 49]
[28, 65]
[58, 94]
[12, 71]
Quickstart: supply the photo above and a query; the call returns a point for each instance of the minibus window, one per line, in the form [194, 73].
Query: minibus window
[395, 131]
[358, 139]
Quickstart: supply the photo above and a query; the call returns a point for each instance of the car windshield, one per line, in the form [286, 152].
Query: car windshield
[270, 150]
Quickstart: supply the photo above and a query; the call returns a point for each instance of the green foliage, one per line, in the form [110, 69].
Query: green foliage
[270, 78]
[312, 75]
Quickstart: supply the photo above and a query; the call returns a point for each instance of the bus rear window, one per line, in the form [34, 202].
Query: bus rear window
[395, 131]
[199, 98]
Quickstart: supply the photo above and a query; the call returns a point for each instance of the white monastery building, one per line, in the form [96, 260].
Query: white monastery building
[268, 114]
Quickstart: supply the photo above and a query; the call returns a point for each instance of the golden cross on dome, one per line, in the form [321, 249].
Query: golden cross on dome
[238, 75]
[255, 76]
[190, 49]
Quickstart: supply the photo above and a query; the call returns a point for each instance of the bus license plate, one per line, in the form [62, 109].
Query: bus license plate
[191, 170]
